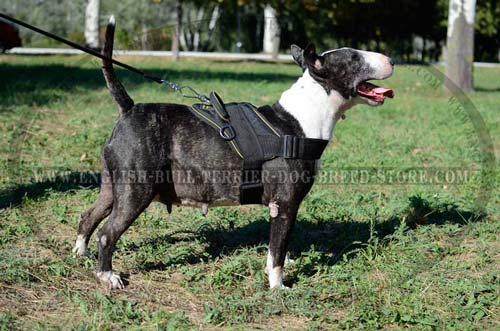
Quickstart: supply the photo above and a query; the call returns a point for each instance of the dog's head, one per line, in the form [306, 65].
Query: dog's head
[347, 71]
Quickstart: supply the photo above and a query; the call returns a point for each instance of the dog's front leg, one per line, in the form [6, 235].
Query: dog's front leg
[281, 228]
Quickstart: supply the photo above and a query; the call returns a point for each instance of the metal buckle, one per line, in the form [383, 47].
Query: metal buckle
[227, 129]
[290, 147]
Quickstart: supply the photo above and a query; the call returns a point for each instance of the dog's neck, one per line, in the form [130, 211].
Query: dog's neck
[316, 110]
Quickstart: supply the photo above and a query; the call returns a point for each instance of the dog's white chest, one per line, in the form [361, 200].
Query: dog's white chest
[313, 108]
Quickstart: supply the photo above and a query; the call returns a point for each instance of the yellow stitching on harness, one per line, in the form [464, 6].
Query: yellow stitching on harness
[236, 149]
[218, 127]
[208, 119]
[265, 122]
[219, 103]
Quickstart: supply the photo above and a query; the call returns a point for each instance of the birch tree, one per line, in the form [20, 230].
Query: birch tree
[177, 31]
[271, 31]
[460, 43]
[92, 24]
[199, 25]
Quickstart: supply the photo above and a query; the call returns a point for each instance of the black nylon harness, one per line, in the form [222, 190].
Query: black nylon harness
[255, 140]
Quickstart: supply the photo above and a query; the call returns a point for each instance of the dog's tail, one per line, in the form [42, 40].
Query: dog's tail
[125, 103]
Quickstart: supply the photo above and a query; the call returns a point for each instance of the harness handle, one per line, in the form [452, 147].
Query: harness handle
[218, 104]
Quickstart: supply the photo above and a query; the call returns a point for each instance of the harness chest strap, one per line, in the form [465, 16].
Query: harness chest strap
[293, 147]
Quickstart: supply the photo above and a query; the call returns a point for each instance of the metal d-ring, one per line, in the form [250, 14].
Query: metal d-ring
[227, 132]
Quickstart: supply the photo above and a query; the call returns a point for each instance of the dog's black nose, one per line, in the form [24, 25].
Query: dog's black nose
[391, 61]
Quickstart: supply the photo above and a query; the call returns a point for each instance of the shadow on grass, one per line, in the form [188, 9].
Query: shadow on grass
[262, 61]
[486, 89]
[14, 196]
[42, 84]
[334, 239]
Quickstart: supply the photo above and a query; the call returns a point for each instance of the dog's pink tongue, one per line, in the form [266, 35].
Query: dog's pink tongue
[372, 90]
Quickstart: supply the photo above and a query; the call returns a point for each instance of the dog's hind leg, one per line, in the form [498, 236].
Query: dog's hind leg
[128, 203]
[281, 228]
[90, 219]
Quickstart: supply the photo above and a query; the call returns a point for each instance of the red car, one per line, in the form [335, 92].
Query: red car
[9, 36]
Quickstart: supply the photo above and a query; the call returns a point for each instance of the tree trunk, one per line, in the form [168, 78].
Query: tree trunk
[211, 27]
[197, 32]
[187, 33]
[271, 31]
[144, 37]
[177, 31]
[460, 43]
[92, 24]
[437, 49]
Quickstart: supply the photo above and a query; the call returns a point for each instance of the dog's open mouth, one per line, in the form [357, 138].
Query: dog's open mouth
[374, 92]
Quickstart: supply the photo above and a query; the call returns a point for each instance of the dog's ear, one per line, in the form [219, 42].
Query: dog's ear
[298, 55]
[312, 60]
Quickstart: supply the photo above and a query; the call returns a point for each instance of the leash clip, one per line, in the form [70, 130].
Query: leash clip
[176, 87]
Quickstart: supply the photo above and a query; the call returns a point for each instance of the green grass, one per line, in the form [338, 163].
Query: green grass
[378, 256]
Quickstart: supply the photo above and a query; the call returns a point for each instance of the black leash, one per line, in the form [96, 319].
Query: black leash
[173, 86]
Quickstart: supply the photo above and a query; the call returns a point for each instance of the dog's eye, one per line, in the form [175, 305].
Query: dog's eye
[355, 57]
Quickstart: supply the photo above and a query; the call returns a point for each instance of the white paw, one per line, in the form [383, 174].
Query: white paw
[80, 248]
[111, 279]
[279, 287]
[275, 277]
